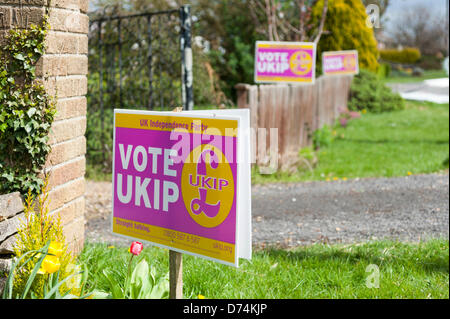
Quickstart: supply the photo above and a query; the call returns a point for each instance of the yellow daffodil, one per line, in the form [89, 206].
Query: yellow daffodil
[344, 179]
[409, 173]
[49, 265]
[55, 249]
[201, 297]
[335, 178]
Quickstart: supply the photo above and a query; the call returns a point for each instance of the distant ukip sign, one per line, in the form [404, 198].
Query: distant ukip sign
[285, 62]
[340, 62]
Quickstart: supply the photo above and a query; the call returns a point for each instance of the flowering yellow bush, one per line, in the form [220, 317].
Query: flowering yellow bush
[35, 231]
[345, 29]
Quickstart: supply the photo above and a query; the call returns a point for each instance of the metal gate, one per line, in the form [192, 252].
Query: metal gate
[137, 61]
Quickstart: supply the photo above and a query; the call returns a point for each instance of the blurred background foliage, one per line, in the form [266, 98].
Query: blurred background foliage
[224, 33]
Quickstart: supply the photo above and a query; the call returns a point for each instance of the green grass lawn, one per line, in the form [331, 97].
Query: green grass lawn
[429, 74]
[411, 141]
[317, 271]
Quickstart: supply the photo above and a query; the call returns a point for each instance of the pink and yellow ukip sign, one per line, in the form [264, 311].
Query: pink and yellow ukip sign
[175, 179]
[285, 62]
[340, 62]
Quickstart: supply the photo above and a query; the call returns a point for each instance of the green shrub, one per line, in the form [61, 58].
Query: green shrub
[405, 56]
[323, 137]
[384, 71]
[26, 111]
[369, 93]
[36, 229]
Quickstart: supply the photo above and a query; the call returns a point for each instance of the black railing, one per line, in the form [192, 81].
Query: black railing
[136, 61]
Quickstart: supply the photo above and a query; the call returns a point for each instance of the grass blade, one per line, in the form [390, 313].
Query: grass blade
[7, 291]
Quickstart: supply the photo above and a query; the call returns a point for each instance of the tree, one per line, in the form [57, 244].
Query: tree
[231, 34]
[418, 27]
[233, 26]
[345, 29]
[289, 20]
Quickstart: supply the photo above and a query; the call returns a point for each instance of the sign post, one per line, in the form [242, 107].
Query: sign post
[176, 266]
[187, 76]
[181, 181]
[175, 275]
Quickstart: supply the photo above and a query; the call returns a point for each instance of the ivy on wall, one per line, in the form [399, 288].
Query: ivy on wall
[26, 111]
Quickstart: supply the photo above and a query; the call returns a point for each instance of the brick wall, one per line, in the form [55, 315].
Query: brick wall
[63, 70]
[11, 214]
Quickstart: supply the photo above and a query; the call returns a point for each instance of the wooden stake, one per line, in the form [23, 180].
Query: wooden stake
[176, 265]
[176, 275]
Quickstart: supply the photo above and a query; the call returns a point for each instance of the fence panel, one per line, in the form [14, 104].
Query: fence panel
[295, 110]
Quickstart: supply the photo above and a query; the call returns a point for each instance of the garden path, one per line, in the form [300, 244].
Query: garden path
[435, 90]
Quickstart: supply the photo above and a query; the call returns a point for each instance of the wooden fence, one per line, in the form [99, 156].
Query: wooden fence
[296, 111]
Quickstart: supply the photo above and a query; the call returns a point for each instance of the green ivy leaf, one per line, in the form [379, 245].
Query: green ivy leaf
[19, 56]
[9, 177]
[31, 112]
[26, 111]
[28, 127]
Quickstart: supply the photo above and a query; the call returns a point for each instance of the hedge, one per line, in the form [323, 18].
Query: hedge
[405, 56]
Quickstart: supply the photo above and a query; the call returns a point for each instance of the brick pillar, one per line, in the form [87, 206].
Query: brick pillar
[63, 70]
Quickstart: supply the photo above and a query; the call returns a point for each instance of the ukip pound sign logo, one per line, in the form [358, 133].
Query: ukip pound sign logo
[301, 63]
[349, 62]
[208, 186]
[199, 205]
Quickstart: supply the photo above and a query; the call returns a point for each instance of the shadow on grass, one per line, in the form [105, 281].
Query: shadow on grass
[431, 258]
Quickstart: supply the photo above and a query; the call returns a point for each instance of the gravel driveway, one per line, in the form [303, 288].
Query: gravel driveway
[409, 208]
